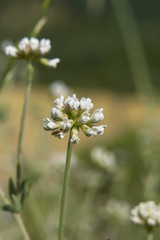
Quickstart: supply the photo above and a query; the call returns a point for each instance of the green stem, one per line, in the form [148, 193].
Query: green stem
[64, 190]
[30, 71]
[150, 235]
[133, 45]
[16, 216]
[22, 226]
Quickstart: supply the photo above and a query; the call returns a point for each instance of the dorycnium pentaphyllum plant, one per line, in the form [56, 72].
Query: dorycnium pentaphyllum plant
[32, 50]
[147, 214]
[68, 116]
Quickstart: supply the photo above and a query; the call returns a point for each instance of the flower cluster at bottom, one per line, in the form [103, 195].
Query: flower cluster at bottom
[147, 213]
[72, 114]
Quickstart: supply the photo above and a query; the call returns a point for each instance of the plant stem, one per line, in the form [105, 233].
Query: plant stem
[16, 216]
[30, 71]
[64, 189]
[133, 45]
[150, 235]
[22, 226]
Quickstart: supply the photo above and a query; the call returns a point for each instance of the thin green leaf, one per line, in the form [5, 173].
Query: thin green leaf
[12, 189]
[9, 208]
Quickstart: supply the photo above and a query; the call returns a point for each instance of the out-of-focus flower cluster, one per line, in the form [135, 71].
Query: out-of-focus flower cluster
[147, 213]
[70, 113]
[59, 88]
[32, 49]
[116, 209]
[57, 161]
[104, 158]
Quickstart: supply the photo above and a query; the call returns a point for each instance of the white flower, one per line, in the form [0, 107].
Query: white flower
[24, 44]
[75, 139]
[11, 51]
[65, 124]
[49, 125]
[99, 130]
[50, 63]
[94, 131]
[53, 62]
[72, 102]
[85, 117]
[59, 102]
[97, 115]
[34, 43]
[56, 113]
[45, 46]
[74, 136]
[72, 114]
[147, 213]
[86, 103]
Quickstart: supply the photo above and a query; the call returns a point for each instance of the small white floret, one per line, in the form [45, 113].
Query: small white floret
[85, 117]
[34, 43]
[97, 115]
[65, 124]
[74, 139]
[11, 51]
[72, 102]
[49, 125]
[56, 113]
[24, 44]
[45, 46]
[86, 103]
[99, 130]
[53, 62]
[59, 102]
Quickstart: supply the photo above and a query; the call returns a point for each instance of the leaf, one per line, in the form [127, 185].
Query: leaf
[9, 208]
[12, 188]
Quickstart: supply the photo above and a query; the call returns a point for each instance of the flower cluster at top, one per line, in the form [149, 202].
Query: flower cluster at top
[72, 114]
[147, 213]
[32, 49]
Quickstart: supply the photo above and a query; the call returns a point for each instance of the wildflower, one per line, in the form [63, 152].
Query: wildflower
[104, 158]
[50, 63]
[147, 213]
[32, 49]
[72, 114]
[11, 51]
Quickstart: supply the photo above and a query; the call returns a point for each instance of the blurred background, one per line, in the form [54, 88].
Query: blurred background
[110, 52]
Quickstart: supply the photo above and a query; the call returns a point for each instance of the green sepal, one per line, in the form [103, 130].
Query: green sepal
[16, 201]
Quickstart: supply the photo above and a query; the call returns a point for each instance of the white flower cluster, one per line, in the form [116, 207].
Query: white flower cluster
[70, 113]
[104, 158]
[147, 213]
[32, 49]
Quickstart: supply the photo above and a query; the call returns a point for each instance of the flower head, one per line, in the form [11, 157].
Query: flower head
[72, 114]
[32, 49]
[147, 213]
